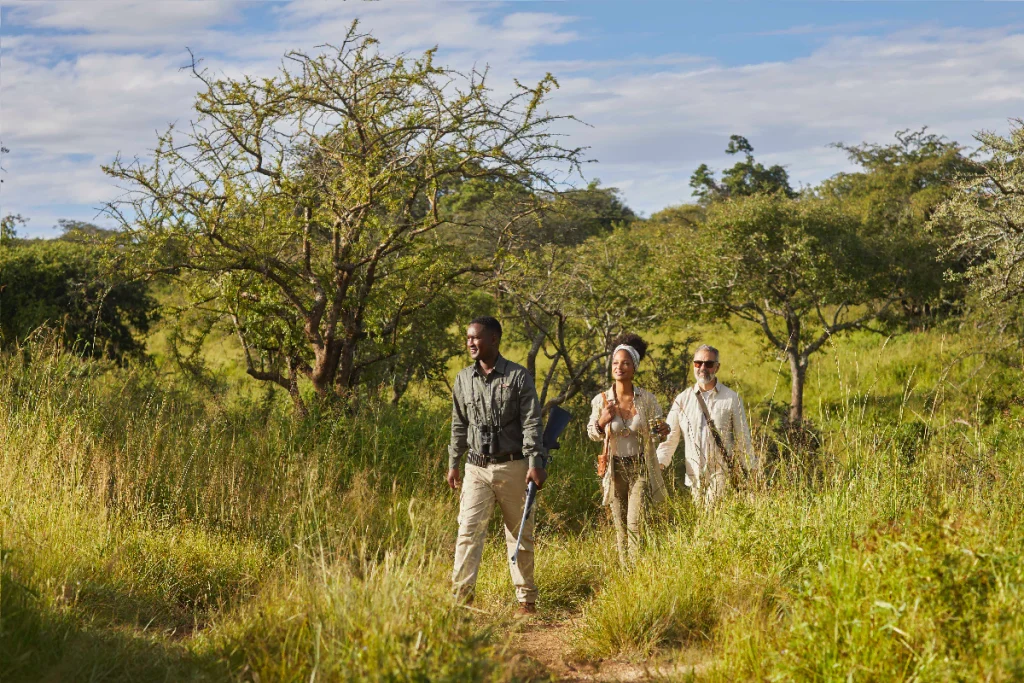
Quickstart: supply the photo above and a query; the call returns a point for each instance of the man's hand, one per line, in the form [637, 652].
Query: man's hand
[662, 466]
[537, 476]
[454, 481]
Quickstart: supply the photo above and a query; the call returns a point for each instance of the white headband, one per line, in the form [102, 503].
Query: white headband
[633, 353]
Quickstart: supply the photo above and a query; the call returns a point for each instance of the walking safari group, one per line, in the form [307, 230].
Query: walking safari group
[496, 428]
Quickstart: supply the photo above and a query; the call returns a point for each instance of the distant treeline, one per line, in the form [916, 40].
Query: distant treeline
[343, 218]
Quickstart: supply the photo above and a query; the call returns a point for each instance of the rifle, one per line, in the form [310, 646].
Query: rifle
[558, 419]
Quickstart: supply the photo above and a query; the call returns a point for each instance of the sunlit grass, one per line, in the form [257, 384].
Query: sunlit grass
[150, 532]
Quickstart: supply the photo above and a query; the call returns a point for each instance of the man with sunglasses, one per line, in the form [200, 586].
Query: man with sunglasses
[710, 420]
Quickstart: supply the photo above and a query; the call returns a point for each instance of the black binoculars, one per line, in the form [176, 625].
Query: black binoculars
[488, 439]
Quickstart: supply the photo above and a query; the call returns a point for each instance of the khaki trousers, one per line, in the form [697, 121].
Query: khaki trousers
[629, 491]
[504, 483]
[713, 488]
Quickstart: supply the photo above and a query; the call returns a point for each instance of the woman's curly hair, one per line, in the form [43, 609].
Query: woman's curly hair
[634, 340]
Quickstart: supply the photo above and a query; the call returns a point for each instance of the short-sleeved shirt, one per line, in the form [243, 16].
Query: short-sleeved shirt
[505, 399]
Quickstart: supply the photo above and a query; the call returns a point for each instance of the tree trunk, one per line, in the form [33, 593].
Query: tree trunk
[399, 384]
[798, 371]
[293, 390]
[325, 367]
[797, 368]
[344, 375]
[531, 357]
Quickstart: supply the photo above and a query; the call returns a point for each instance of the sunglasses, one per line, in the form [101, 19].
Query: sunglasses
[705, 363]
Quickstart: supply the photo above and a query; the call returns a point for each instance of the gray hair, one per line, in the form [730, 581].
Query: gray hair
[712, 349]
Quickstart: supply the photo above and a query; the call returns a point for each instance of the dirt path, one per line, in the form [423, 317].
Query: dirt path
[547, 644]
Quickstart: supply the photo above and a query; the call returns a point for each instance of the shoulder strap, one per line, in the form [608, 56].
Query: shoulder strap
[711, 423]
[602, 459]
[729, 464]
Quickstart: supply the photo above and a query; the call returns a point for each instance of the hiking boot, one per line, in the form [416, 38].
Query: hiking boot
[526, 609]
[465, 599]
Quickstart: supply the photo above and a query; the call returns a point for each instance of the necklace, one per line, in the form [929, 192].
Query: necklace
[626, 431]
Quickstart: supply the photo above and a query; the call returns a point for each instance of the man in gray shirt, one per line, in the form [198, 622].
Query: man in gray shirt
[496, 423]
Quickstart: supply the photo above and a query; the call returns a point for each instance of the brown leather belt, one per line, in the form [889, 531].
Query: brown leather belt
[485, 460]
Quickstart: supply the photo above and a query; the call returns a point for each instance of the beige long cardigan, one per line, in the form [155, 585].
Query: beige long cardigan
[647, 407]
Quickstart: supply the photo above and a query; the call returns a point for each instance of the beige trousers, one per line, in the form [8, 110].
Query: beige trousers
[629, 490]
[713, 487]
[505, 484]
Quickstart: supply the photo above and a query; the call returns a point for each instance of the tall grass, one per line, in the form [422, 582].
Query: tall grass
[152, 533]
[140, 517]
[898, 560]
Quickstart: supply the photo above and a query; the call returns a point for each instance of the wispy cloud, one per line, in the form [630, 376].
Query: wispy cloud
[85, 80]
[826, 29]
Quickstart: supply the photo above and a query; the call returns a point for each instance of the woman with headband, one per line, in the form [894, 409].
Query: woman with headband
[628, 467]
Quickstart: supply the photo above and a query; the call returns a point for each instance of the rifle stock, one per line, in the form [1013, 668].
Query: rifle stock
[558, 418]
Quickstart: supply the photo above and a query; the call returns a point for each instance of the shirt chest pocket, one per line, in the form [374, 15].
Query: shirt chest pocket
[507, 397]
[723, 421]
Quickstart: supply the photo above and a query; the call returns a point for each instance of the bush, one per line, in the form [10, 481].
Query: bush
[59, 283]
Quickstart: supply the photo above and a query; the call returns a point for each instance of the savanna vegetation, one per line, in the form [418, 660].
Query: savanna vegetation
[223, 427]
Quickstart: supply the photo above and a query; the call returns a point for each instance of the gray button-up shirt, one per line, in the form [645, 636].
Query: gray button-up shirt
[506, 399]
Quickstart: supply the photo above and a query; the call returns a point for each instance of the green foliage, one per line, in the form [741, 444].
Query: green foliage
[989, 205]
[745, 178]
[568, 303]
[896, 196]
[802, 270]
[301, 211]
[8, 226]
[790, 253]
[579, 214]
[680, 216]
[65, 284]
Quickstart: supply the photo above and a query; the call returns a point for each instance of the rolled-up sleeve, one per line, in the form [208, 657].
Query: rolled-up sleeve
[460, 427]
[530, 414]
[667, 448]
[593, 431]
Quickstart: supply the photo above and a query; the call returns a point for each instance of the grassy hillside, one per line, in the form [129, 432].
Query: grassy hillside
[150, 532]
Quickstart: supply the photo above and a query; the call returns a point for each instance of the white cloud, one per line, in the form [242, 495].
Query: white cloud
[119, 17]
[104, 77]
[852, 89]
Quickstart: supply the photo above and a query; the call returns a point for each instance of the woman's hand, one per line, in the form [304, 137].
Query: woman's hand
[662, 429]
[607, 415]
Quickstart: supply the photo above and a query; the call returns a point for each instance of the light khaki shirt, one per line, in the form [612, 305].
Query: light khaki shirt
[689, 426]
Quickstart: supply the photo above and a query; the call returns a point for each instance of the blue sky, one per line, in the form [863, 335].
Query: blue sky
[661, 84]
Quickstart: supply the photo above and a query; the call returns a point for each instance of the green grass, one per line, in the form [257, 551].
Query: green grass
[152, 532]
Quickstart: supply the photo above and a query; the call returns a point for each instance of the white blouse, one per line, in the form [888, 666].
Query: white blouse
[625, 445]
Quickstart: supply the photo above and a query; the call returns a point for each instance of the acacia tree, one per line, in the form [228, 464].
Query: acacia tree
[570, 302]
[896, 194]
[799, 269]
[302, 209]
[989, 205]
[742, 179]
